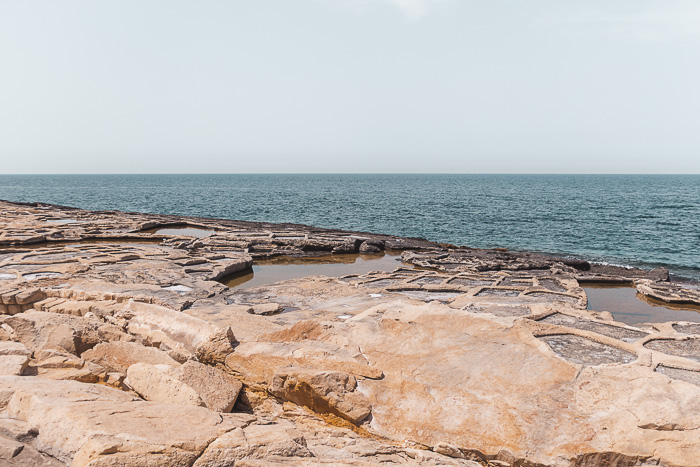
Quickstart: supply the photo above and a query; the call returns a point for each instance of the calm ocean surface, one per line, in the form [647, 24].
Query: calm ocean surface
[639, 220]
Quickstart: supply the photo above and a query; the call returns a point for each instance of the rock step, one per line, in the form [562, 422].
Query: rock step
[75, 307]
[16, 300]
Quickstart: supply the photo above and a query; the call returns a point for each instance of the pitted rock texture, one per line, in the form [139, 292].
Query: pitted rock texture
[689, 376]
[587, 352]
[136, 354]
[687, 348]
[624, 333]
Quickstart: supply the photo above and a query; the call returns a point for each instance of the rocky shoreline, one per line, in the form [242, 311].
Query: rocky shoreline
[119, 345]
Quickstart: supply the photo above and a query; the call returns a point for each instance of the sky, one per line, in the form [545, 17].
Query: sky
[349, 86]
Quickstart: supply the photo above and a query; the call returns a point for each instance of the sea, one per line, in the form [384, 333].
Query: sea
[631, 220]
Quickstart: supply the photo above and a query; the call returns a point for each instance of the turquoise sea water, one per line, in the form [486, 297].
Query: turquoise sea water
[638, 220]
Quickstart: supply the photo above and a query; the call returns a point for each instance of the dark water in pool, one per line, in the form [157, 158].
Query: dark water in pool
[269, 271]
[641, 220]
[630, 307]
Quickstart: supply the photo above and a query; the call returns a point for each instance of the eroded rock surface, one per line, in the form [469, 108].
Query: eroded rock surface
[119, 346]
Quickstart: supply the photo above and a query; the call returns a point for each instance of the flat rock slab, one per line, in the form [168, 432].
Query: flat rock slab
[119, 356]
[156, 385]
[584, 351]
[689, 376]
[622, 333]
[687, 348]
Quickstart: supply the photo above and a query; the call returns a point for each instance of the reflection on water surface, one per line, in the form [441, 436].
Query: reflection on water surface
[628, 306]
[268, 271]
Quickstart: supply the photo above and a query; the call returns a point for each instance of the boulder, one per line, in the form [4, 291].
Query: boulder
[372, 246]
[348, 246]
[13, 364]
[119, 356]
[265, 309]
[40, 330]
[155, 385]
[322, 391]
[215, 350]
[217, 389]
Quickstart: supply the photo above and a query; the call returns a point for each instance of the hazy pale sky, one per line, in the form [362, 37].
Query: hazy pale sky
[163, 86]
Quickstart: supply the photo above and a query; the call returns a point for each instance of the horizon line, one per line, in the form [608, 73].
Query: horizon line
[351, 173]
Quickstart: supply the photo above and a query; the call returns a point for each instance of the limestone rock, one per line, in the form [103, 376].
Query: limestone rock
[39, 330]
[216, 349]
[14, 348]
[255, 442]
[217, 389]
[9, 448]
[348, 246]
[155, 385]
[372, 246]
[119, 356]
[322, 391]
[13, 364]
[169, 326]
[265, 309]
[447, 449]
[86, 424]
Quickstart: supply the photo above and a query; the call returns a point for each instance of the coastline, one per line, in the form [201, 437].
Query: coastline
[164, 220]
[450, 356]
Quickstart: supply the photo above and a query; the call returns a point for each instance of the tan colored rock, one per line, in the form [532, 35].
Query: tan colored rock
[265, 309]
[40, 330]
[83, 424]
[9, 448]
[215, 350]
[447, 449]
[119, 356]
[17, 430]
[322, 391]
[217, 389]
[247, 325]
[13, 364]
[255, 442]
[14, 348]
[155, 385]
[169, 326]
[111, 333]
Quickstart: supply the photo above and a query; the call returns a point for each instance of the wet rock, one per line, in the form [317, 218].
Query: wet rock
[322, 391]
[348, 246]
[372, 246]
[671, 293]
[217, 389]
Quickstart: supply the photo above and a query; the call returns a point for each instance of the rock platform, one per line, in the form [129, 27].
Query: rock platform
[120, 345]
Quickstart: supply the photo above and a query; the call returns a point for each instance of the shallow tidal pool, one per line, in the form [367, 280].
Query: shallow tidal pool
[628, 306]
